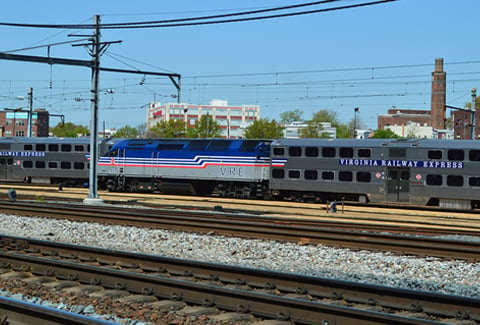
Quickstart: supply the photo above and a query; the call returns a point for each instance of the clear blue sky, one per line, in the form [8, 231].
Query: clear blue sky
[373, 57]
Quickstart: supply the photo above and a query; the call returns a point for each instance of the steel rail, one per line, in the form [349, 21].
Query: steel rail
[13, 311]
[223, 224]
[309, 310]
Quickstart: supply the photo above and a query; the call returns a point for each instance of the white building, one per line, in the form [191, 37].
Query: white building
[232, 119]
[292, 130]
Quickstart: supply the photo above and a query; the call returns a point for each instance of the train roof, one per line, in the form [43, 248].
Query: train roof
[34, 140]
[407, 143]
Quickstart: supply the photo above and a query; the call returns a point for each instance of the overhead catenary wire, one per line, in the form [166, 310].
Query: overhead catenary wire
[206, 20]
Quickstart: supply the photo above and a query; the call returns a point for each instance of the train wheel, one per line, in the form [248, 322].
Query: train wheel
[111, 185]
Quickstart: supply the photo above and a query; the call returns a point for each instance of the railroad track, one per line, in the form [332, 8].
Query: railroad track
[263, 294]
[401, 219]
[251, 226]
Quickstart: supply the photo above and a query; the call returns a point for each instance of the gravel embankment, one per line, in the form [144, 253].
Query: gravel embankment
[425, 274]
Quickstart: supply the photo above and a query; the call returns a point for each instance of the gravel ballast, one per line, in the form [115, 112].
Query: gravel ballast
[425, 274]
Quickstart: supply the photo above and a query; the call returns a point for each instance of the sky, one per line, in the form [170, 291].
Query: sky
[373, 57]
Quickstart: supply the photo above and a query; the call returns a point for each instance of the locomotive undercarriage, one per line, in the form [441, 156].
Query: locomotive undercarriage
[241, 190]
[316, 197]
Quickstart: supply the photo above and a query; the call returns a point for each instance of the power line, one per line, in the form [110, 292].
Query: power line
[195, 21]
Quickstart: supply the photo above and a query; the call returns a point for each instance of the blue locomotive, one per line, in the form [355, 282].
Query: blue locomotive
[231, 168]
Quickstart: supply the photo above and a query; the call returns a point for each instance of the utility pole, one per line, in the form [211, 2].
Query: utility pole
[474, 110]
[30, 113]
[95, 53]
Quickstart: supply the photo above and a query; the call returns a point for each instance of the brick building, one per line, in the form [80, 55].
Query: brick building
[232, 119]
[424, 123]
[14, 123]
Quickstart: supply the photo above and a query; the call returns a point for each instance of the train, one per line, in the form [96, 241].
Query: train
[419, 172]
[47, 160]
[423, 172]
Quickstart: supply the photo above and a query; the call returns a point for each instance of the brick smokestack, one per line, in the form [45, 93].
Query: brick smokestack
[437, 108]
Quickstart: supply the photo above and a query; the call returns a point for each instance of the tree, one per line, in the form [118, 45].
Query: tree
[127, 131]
[264, 129]
[325, 115]
[69, 130]
[313, 130]
[291, 116]
[167, 129]
[205, 127]
[385, 134]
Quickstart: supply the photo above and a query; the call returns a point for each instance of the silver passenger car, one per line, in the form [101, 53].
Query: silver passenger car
[442, 173]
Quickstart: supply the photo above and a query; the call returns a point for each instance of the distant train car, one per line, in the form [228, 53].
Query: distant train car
[442, 173]
[47, 160]
[231, 168]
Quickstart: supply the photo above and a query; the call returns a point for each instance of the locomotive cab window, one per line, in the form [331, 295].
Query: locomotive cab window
[397, 153]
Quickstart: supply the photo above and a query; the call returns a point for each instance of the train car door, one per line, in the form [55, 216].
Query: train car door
[398, 184]
[3, 169]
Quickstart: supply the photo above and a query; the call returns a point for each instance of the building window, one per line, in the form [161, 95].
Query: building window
[19, 133]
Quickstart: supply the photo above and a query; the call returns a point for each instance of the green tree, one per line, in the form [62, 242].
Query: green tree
[167, 129]
[291, 116]
[385, 134]
[313, 130]
[127, 131]
[264, 129]
[325, 115]
[205, 127]
[69, 130]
